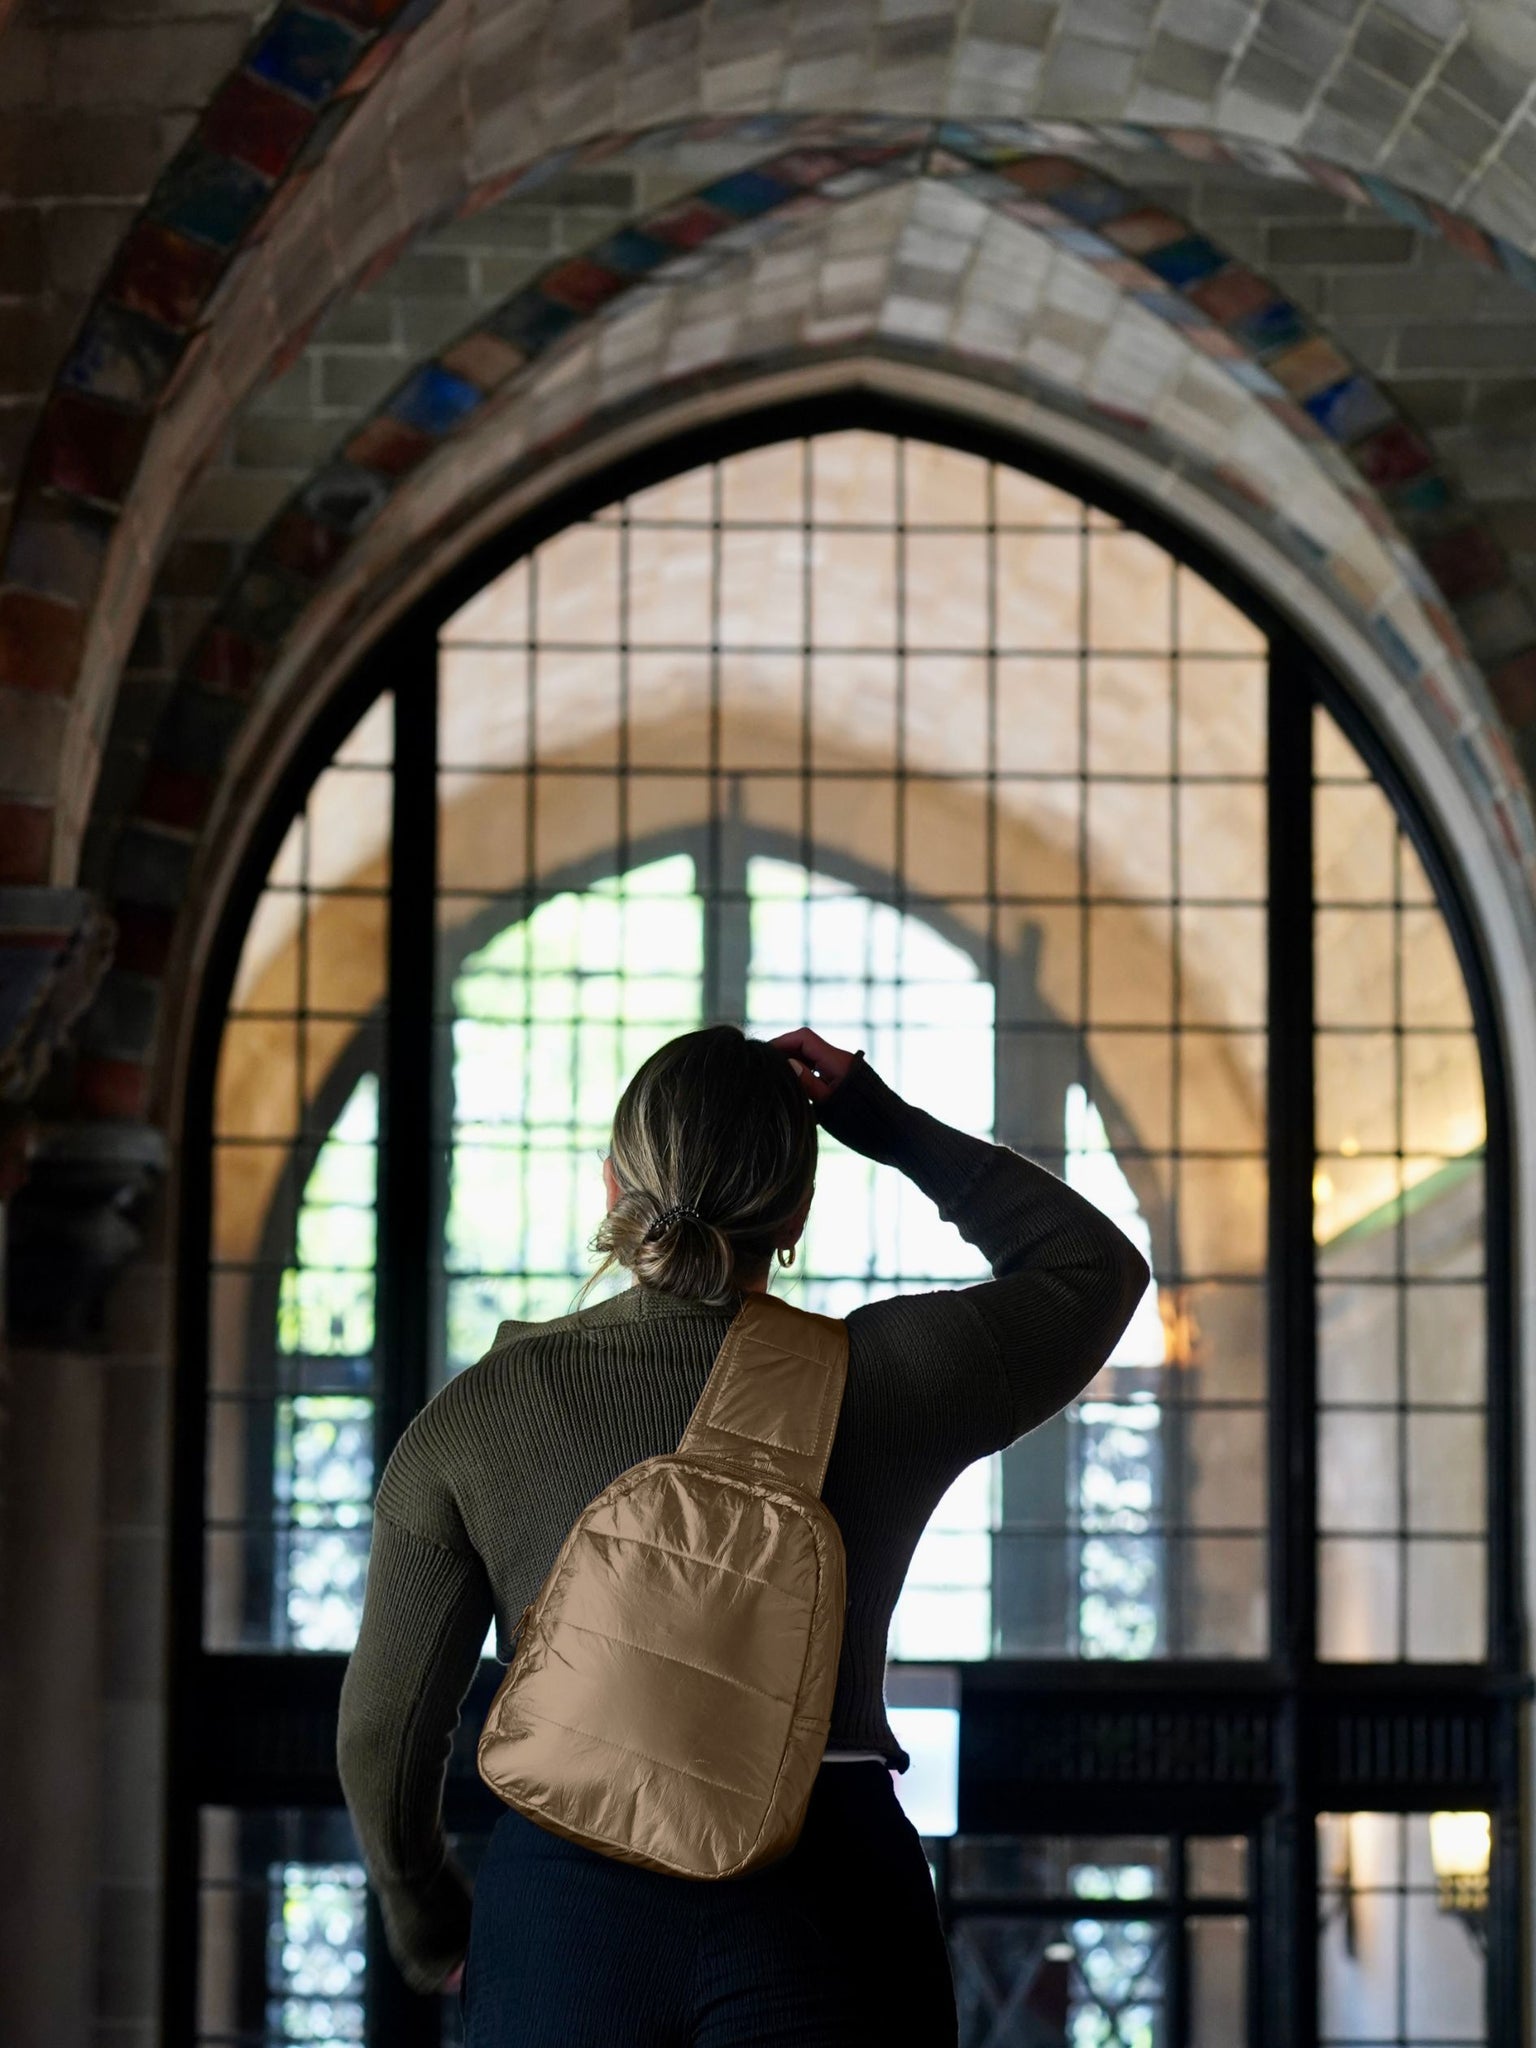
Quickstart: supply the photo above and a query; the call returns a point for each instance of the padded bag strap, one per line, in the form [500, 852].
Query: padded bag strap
[772, 1401]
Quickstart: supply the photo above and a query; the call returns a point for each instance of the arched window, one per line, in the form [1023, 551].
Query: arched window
[856, 727]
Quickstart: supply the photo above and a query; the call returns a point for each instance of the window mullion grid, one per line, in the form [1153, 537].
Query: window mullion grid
[1291, 2013]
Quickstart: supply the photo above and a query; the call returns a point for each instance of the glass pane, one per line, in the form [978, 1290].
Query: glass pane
[1398, 1960]
[290, 1469]
[895, 846]
[1398, 1219]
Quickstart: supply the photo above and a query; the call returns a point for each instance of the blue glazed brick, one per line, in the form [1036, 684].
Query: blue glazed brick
[306, 54]
[1277, 325]
[58, 547]
[1253, 377]
[1169, 307]
[433, 400]
[1424, 501]
[1517, 261]
[1392, 644]
[1349, 408]
[633, 252]
[123, 1015]
[1394, 201]
[1082, 242]
[123, 356]
[211, 198]
[531, 322]
[1184, 262]
[746, 193]
[1094, 200]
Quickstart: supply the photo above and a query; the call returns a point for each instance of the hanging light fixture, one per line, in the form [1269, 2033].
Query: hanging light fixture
[1460, 1848]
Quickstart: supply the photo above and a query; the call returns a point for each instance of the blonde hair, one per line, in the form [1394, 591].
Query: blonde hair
[714, 1152]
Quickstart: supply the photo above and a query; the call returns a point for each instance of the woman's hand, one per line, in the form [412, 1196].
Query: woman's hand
[821, 1066]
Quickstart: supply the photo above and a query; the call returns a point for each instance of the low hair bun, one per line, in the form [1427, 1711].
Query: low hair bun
[714, 1152]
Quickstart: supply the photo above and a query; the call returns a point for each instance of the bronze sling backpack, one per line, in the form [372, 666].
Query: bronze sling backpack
[670, 1691]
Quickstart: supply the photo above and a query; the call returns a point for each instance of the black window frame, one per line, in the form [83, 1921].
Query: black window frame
[1263, 1745]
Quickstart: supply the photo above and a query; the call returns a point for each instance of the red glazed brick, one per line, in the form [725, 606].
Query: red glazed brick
[257, 125]
[1042, 174]
[1392, 456]
[26, 840]
[171, 796]
[1465, 564]
[1230, 293]
[111, 1088]
[1514, 687]
[581, 284]
[144, 938]
[163, 275]
[686, 226]
[227, 661]
[40, 642]
[389, 446]
[304, 545]
[89, 449]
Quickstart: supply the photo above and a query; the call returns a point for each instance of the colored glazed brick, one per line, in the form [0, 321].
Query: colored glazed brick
[1349, 409]
[1275, 326]
[1093, 201]
[633, 252]
[746, 194]
[58, 546]
[164, 276]
[433, 400]
[40, 642]
[1392, 644]
[1514, 687]
[114, 1089]
[530, 322]
[89, 449]
[26, 838]
[1185, 262]
[123, 356]
[1082, 242]
[370, 15]
[344, 497]
[265, 603]
[173, 796]
[1425, 501]
[303, 545]
[1042, 175]
[1465, 564]
[211, 198]
[806, 166]
[1309, 367]
[1393, 456]
[583, 284]
[228, 661]
[689, 225]
[257, 124]
[1463, 235]
[306, 54]
[388, 446]
[1232, 292]
[1397, 205]
[144, 938]
[485, 359]
[1146, 229]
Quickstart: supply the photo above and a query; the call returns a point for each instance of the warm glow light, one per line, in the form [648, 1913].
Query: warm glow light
[1460, 1845]
[1349, 1146]
[1322, 1187]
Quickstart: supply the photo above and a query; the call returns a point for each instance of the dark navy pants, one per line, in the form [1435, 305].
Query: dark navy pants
[837, 1946]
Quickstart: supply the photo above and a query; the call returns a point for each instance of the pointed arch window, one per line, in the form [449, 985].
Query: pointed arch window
[852, 726]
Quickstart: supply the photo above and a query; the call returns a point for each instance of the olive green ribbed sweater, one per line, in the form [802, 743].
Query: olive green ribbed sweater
[483, 1485]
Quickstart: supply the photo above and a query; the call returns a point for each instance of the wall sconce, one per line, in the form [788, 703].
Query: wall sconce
[1460, 1848]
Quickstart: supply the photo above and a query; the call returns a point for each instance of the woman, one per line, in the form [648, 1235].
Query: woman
[709, 1177]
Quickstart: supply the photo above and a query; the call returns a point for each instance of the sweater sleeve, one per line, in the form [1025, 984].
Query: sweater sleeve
[1066, 1280]
[425, 1613]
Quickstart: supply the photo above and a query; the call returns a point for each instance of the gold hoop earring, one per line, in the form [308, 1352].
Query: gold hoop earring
[786, 1256]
